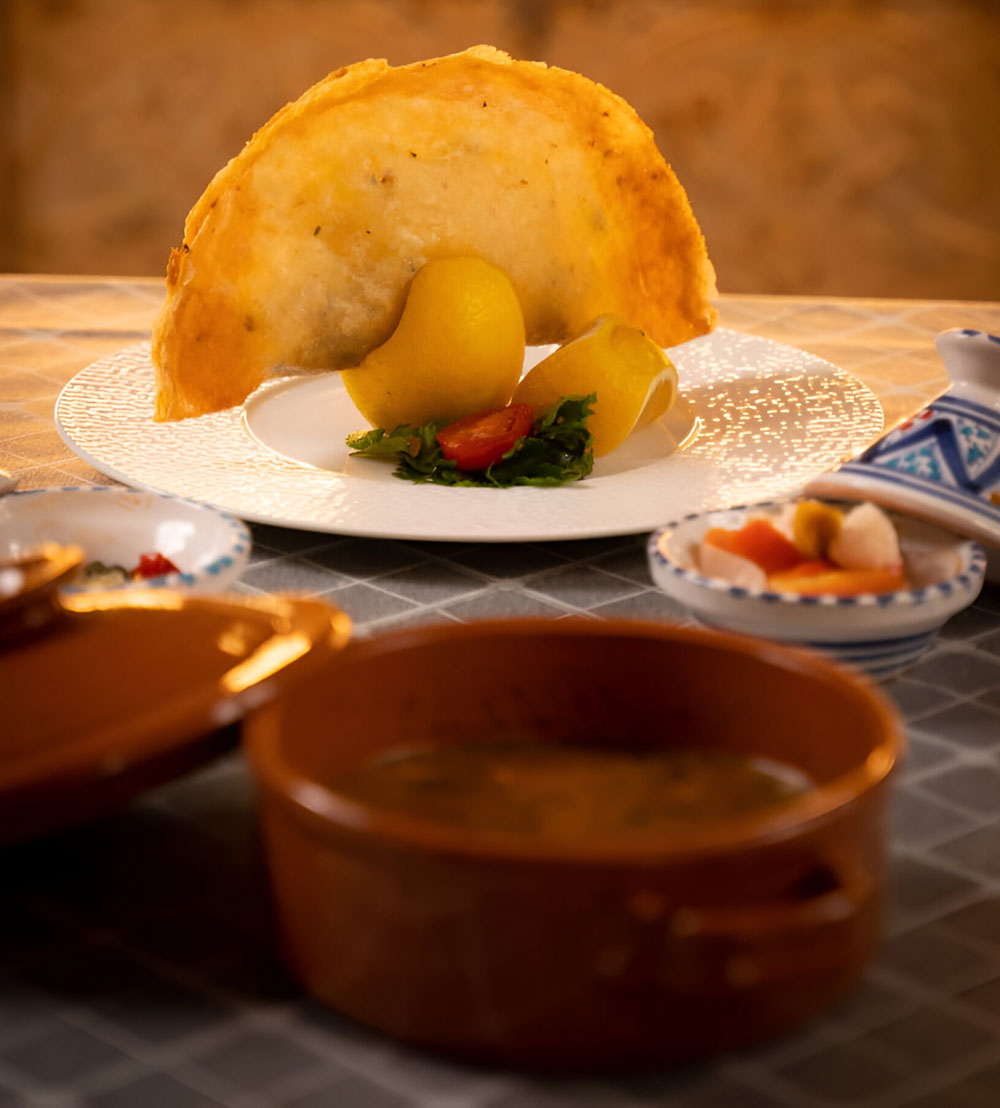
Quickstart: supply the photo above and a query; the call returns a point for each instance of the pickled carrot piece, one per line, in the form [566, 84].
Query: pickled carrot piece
[758, 541]
[817, 567]
[824, 579]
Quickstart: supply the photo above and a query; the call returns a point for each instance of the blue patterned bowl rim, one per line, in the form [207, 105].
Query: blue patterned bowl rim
[239, 541]
[968, 578]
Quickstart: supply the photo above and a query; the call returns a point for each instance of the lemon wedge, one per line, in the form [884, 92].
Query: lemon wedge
[633, 379]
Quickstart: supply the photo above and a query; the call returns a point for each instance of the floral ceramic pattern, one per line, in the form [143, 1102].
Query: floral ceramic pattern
[954, 442]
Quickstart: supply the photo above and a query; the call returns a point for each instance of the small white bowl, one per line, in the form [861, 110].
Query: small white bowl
[116, 525]
[881, 634]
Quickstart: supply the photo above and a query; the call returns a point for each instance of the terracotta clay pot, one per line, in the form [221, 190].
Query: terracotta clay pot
[585, 955]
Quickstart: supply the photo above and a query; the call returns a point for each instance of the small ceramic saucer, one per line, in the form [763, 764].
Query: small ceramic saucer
[117, 526]
[882, 634]
[943, 464]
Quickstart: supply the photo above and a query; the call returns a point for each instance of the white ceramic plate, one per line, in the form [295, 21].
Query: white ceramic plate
[756, 420]
[115, 526]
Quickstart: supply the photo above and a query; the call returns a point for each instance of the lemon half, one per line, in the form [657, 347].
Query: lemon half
[458, 348]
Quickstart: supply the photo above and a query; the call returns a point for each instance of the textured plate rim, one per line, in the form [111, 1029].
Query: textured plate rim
[610, 505]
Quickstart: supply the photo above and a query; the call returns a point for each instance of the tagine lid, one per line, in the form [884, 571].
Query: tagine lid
[107, 694]
[942, 464]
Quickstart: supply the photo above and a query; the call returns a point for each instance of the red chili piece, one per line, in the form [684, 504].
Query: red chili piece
[154, 565]
[478, 441]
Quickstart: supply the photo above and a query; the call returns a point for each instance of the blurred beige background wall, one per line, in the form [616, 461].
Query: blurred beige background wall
[828, 146]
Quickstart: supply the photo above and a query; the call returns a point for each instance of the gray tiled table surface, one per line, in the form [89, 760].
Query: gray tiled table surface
[137, 965]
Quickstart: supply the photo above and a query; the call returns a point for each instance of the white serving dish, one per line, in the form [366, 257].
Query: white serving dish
[116, 525]
[881, 634]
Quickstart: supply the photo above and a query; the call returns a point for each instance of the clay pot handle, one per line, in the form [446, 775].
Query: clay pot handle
[753, 944]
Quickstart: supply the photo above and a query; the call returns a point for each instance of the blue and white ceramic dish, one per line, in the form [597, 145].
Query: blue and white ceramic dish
[943, 464]
[116, 525]
[881, 634]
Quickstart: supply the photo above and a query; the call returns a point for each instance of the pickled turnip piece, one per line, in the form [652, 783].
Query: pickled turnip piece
[713, 561]
[867, 540]
[930, 555]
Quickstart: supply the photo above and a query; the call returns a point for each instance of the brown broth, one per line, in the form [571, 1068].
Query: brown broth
[571, 792]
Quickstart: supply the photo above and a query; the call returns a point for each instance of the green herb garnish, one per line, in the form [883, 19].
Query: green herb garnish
[558, 449]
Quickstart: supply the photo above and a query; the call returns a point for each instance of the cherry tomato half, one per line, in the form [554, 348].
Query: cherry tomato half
[480, 440]
[153, 565]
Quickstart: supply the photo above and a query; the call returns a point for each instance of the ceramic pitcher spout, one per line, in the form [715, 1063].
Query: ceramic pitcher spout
[972, 361]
